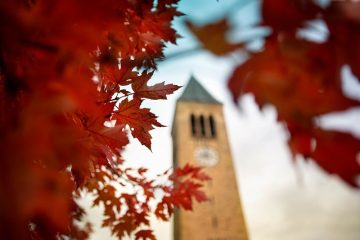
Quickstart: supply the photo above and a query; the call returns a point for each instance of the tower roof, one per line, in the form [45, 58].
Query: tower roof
[195, 92]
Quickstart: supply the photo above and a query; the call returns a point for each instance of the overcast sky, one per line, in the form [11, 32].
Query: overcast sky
[282, 199]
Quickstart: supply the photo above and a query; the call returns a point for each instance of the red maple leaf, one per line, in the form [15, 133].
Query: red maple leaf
[140, 120]
[157, 91]
[164, 209]
[144, 234]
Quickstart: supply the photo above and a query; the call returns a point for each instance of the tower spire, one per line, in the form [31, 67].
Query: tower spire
[195, 92]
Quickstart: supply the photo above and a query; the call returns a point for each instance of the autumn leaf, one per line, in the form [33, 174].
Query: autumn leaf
[354, 52]
[106, 194]
[189, 180]
[144, 234]
[344, 27]
[185, 192]
[338, 154]
[213, 37]
[189, 170]
[142, 170]
[140, 120]
[109, 74]
[278, 76]
[157, 91]
[288, 15]
[164, 209]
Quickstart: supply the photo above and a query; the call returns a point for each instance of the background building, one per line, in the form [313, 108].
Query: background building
[200, 138]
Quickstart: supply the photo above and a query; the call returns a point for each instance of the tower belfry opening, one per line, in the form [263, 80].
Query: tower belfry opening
[202, 126]
[212, 126]
[200, 138]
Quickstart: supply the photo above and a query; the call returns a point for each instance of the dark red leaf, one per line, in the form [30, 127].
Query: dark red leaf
[140, 120]
[144, 234]
[157, 91]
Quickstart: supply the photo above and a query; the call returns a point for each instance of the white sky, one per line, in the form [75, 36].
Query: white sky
[282, 199]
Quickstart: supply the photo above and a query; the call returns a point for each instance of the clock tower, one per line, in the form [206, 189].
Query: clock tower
[200, 138]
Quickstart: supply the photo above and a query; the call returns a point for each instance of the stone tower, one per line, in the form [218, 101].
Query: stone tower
[199, 137]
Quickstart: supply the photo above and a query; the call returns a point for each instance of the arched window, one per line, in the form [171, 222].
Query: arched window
[212, 126]
[202, 126]
[193, 125]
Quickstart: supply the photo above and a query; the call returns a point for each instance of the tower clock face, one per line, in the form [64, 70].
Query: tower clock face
[206, 156]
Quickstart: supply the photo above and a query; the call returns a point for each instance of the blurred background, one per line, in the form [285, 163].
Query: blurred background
[282, 199]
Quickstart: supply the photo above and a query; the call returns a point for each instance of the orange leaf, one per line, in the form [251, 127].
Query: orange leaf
[213, 37]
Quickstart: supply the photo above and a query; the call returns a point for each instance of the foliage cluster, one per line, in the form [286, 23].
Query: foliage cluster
[73, 76]
[300, 76]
